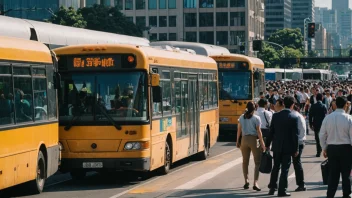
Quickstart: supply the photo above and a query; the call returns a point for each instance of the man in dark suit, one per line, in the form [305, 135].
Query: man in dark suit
[317, 114]
[284, 135]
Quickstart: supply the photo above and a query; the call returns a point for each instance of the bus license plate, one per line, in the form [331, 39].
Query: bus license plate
[92, 164]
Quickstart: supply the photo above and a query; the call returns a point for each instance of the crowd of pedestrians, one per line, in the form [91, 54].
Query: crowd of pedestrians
[279, 122]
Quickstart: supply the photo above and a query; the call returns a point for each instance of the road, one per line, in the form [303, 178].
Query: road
[219, 176]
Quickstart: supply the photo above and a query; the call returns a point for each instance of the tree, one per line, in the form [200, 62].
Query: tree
[292, 53]
[291, 38]
[270, 56]
[109, 19]
[68, 17]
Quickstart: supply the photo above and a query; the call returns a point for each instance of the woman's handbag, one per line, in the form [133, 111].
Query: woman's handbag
[266, 164]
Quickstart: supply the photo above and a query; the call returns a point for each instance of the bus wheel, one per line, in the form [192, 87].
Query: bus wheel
[78, 174]
[36, 186]
[204, 154]
[167, 160]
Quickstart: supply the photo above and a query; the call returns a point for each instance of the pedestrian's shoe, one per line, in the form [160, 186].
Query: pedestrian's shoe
[285, 194]
[256, 188]
[271, 191]
[317, 155]
[246, 186]
[300, 188]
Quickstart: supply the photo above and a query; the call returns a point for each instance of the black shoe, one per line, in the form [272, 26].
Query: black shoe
[317, 155]
[271, 191]
[285, 194]
[246, 186]
[256, 188]
[301, 188]
[346, 196]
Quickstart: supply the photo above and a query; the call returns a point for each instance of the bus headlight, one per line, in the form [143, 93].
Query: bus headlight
[136, 145]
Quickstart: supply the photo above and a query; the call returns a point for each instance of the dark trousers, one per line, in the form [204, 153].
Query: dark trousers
[317, 140]
[340, 162]
[282, 161]
[297, 164]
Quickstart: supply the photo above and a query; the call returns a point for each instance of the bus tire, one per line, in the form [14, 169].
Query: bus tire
[204, 154]
[167, 160]
[78, 174]
[36, 186]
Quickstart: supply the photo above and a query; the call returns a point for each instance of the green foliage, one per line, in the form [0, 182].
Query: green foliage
[68, 17]
[292, 53]
[291, 38]
[270, 56]
[109, 19]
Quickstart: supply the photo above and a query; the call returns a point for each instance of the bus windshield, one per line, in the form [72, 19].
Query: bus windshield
[235, 85]
[98, 97]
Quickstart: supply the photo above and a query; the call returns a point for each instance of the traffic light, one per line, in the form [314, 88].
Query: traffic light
[257, 45]
[311, 30]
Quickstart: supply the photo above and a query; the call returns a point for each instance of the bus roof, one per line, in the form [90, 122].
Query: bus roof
[151, 55]
[239, 57]
[199, 48]
[16, 49]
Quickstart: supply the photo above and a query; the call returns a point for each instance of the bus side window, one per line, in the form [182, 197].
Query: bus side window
[6, 97]
[52, 112]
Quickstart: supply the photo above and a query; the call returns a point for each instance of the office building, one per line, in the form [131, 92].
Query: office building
[302, 9]
[277, 16]
[219, 22]
[345, 26]
[321, 40]
[328, 18]
[340, 5]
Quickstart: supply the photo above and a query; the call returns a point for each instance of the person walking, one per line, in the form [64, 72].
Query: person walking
[249, 129]
[317, 114]
[336, 141]
[297, 163]
[265, 117]
[284, 135]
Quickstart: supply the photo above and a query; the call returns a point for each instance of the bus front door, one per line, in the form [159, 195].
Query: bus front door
[193, 115]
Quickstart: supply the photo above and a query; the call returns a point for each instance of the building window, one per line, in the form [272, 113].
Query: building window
[172, 4]
[206, 19]
[153, 37]
[206, 3]
[191, 36]
[237, 3]
[119, 4]
[162, 4]
[140, 21]
[222, 19]
[222, 3]
[129, 19]
[129, 5]
[152, 4]
[234, 35]
[90, 3]
[140, 4]
[172, 21]
[221, 38]
[190, 19]
[206, 37]
[162, 21]
[190, 3]
[172, 37]
[163, 37]
[105, 2]
[153, 21]
[237, 19]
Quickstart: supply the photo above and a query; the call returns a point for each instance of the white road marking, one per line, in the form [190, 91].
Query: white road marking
[174, 172]
[201, 179]
[293, 175]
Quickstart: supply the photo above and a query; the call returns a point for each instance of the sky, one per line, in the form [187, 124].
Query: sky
[327, 3]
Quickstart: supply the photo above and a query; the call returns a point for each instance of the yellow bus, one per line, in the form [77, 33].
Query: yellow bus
[29, 143]
[125, 107]
[241, 79]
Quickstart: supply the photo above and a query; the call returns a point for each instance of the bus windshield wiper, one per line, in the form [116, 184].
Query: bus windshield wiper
[74, 118]
[118, 127]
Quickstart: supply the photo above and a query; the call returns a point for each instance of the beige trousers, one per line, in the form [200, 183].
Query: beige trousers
[248, 145]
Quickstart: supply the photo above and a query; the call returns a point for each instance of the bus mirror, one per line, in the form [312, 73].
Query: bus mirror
[155, 80]
[256, 75]
[156, 93]
[57, 81]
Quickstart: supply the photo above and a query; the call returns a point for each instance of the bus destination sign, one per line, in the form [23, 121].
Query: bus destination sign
[82, 62]
[232, 65]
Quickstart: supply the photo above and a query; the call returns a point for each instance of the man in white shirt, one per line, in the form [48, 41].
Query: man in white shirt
[265, 117]
[297, 163]
[336, 138]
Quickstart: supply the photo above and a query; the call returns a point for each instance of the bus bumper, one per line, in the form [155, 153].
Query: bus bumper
[228, 129]
[131, 164]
